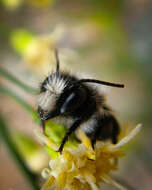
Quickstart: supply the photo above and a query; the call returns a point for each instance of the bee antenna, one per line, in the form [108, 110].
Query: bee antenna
[102, 82]
[57, 61]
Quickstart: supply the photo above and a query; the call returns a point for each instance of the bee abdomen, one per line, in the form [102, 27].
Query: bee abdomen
[102, 127]
[90, 125]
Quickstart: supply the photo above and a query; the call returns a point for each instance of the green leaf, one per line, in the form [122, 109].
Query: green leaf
[25, 144]
[52, 153]
[54, 131]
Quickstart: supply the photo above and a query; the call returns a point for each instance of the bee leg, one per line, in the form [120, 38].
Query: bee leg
[69, 132]
[94, 138]
[115, 131]
[40, 114]
[114, 139]
[43, 126]
[93, 141]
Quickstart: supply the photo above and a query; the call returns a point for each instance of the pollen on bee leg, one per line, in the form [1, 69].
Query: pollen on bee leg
[86, 141]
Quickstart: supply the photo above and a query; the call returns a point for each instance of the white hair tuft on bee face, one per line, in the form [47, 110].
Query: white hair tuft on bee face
[47, 100]
[54, 87]
[56, 84]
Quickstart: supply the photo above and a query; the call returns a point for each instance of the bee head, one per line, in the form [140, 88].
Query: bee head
[60, 95]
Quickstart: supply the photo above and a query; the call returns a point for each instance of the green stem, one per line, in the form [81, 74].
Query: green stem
[8, 92]
[12, 150]
[13, 79]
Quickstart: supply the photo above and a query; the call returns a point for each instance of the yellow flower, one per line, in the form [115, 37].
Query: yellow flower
[12, 4]
[83, 168]
[39, 53]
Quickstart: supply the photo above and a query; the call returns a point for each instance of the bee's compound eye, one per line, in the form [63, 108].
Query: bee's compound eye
[73, 101]
[68, 103]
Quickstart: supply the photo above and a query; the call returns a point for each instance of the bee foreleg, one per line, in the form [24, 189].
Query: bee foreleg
[69, 132]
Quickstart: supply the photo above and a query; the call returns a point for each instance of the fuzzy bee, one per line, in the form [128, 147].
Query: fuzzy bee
[75, 104]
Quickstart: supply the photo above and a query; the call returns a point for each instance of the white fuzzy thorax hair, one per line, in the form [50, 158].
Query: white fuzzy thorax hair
[54, 87]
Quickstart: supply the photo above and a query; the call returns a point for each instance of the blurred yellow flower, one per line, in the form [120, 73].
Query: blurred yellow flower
[39, 52]
[11, 4]
[39, 55]
[82, 167]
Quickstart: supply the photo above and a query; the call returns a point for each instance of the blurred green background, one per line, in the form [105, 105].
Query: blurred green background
[108, 40]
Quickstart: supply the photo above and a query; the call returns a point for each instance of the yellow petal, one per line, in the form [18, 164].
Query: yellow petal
[49, 182]
[44, 139]
[61, 180]
[45, 173]
[67, 155]
[130, 136]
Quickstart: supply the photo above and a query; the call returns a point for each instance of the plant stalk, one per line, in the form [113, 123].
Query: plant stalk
[4, 133]
[13, 79]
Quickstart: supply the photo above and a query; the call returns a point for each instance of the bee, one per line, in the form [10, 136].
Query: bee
[77, 104]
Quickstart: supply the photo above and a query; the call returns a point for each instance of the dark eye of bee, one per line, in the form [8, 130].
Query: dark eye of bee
[72, 99]
[42, 87]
